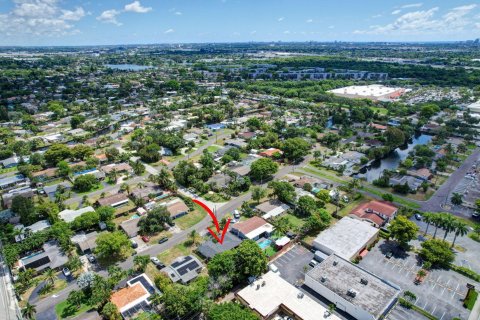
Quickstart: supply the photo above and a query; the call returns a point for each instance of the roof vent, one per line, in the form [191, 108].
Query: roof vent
[368, 210]
[335, 263]
[352, 293]
[258, 286]
[263, 283]
[300, 295]
[364, 281]
[323, 279]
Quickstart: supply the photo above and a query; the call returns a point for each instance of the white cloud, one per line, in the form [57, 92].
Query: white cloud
[178, 13]
[75, 15]
[331, 27]
[411, 5]
[281, 19]
[376, 16]
[309, 21]
[169, 31]
[286, 32]
[424, 21]
[395, 12]
[39, 18]
[136, 7]
[110, 16]
[253, 32]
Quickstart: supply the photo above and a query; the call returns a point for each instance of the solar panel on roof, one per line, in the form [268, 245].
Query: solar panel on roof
[179, 263]
[144, 282]
[187, 268]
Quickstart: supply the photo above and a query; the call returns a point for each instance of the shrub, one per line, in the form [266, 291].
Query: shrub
[470, 300]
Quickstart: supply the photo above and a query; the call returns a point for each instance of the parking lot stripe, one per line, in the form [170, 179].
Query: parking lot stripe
[433, 311]
[455, 291]
[442, 315]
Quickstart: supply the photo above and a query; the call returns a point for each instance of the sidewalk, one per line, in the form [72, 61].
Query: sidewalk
[475, 314]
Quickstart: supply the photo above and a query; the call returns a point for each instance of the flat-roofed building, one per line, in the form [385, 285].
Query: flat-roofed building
[271, 296]
[346, 238]
[352, 289]
[373, 91]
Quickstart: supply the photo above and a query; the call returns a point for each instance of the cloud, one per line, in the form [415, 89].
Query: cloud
[376, 16]
[169, 31]
[253, 32]
[286, 32]
[331, 27]
[281, 19]
[395, 12]
[178, 13]
[110, 16]
[136, 7]
[411, 5]
[39, 18]
[424, 21]
[309, 21]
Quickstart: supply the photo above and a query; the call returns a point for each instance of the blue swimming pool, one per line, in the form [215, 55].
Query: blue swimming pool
[265, 243]
[135, 216]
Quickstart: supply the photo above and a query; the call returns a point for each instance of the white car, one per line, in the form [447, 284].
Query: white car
[274, 269]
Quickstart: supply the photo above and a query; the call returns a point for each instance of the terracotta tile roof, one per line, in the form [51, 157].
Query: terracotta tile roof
[127, 295]
[270, 152]
[377, 207]
[378, 126]
[249, 225]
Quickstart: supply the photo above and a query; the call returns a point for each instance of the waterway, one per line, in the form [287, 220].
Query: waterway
[393, 159]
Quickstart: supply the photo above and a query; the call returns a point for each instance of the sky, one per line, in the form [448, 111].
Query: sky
[111, 22]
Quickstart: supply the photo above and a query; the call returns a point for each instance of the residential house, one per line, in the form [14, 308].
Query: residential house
[15, 181]
[130, 227]
[422, 173]
[25, 232]
[51, 256]
[378, 213]
[210, 248]
[254, 228]
[8, 197]
[135, 297]
[177, 208]
[270, 153]
[86, 243]
[272, 208]
[68, 215]
[114, 201]
[237, 143]
[184, 269]
[148, 191]
[122, 167]
[413, 183]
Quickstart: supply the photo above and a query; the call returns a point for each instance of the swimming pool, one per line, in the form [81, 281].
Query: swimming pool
[265, 243]
[135, 216]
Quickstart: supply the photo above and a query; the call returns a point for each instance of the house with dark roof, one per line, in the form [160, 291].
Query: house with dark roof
[51, 256]
[184, 269]
[130, 227]
[211, 247]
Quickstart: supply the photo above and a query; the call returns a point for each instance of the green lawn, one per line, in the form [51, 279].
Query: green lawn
[98, 187]
[182, 249]
[12, 169]
[399, 200]
[192, 218]
[324, 174]
[65, 311]
[213, 148]
[296, 222]
[379, 110]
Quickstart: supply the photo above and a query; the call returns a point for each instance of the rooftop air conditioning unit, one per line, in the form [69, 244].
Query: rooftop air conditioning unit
[368, 210]
[352, 293]
[300, 295]
[335, 263]
[364, 281]
[263, 283]
[258, 286]
[323, 279]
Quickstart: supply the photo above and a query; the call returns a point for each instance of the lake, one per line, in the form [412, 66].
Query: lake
[128, 67]
[393, 159]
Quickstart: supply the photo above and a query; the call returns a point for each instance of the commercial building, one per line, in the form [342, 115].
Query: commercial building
[352, 289]
[374, 92]
[270, 296]
[347, 238]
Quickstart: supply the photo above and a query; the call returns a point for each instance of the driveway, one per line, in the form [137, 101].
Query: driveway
[440, 294]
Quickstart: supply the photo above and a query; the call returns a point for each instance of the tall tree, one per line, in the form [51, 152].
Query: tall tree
[403, 230]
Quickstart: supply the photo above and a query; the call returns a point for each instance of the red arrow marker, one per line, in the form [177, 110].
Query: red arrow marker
[215, 221]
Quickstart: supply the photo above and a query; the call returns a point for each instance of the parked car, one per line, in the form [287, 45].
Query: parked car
[418, 217]
[66, 272]
[162, 240]
[157, 262]
[134, 244]
[313, 263]
[91, 258]
[274, 268]
[145, 238]
[236, 214]
[171, 223]
[389, 254]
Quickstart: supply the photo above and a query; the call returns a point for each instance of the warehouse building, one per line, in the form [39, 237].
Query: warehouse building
[352, 289]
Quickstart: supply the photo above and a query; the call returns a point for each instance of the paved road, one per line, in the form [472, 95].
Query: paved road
[8, 303]
[441, 195]
[45, 306]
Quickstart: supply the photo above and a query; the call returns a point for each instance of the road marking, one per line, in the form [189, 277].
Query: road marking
[455, 291]
[442, 315]
[425, 306]
[434, 309]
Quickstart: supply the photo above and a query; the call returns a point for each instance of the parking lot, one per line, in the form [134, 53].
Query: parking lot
[440, 294]
[292, 263]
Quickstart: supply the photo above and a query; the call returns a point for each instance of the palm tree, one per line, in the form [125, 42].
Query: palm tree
[428, 218]
[193, 236]
[461, 228]
[436, 221]
[354, 184]
[125, 187]
[456, 199]
[29, 311]
[448, 223]
[50, 276]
